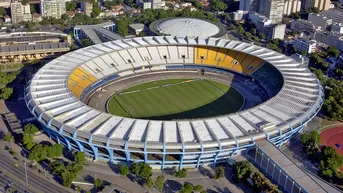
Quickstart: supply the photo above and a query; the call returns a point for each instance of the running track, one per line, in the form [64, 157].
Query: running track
[331, 136]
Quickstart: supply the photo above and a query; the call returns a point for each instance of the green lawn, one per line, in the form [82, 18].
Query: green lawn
[176, 99]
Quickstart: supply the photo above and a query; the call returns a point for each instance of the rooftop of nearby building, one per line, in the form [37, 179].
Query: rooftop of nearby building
[137, 26]
[187, 27]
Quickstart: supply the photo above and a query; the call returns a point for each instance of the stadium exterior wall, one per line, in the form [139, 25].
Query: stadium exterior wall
[92, 150]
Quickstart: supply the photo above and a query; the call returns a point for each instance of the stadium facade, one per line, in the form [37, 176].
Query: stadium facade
[287, 97]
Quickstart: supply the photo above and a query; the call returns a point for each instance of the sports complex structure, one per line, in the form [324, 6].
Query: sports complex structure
[70, 97]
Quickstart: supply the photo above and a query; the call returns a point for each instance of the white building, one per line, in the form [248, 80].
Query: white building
[319, 20]
[156, 4]
[337, 28]
[240, 14]
[52, 8]
[303, 44]
[300, 25]
[291, 6]
[20, 12]
[260, 21]
[266, 26]
[275, 31]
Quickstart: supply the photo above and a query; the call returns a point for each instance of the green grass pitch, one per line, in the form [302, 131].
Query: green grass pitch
[176, 99]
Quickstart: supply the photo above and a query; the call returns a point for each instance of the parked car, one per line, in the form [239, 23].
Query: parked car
[338, 145]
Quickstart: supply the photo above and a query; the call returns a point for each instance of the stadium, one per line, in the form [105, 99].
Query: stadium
[172, 101]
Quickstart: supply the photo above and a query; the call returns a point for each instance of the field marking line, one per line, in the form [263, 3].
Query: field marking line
[160, 86]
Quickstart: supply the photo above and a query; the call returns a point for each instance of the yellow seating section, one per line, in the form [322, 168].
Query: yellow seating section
[78, 80]
[226, 58]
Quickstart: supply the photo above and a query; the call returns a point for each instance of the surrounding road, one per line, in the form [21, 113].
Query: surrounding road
[37, 183]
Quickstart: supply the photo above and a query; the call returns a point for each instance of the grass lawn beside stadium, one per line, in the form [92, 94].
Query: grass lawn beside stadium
[176, 99]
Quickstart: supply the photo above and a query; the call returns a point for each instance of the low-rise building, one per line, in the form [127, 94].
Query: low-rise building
[303, 44]
[319, 20]
[137, 28]
[337, 28]
[335, 14]
[300, 25]
[36, 17]
[329, 38]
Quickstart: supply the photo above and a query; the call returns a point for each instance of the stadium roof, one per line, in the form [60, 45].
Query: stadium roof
[50, 99]
[187, 27]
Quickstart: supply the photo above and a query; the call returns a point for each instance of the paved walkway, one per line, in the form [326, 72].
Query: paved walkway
[195, 176]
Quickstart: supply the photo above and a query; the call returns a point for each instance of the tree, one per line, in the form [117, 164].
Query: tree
[187, 188]
[253, 31]
[51, 152]
[198, 188]
[124, 170]
[30, 129]
[67, 178]
[218, 5]
[248, 35]
[6, 93]
[330, 161]
[86, 42]
[71, 6]
[219, 172]
[27, 139]
[98, 183]
[123, 27]
[181, 173]
[38, 153]
[240, 29]
[159, 182]
[9, 138]
[96, 11]
[332, 51]
[32, 9]
[3, 11]
[148, 182]
[310, 141]
[203, 191]
[58, 150]
[79, 157]
[64, 16]
[141, 170]
[242, 170]
[262, 36]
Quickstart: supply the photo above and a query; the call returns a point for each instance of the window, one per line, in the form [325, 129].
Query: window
[202, 57]
[164, 56]
[183, 56]
[129, 61]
